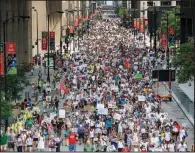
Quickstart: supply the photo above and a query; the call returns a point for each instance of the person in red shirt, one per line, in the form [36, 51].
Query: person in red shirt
[126, 149]
[72, 140]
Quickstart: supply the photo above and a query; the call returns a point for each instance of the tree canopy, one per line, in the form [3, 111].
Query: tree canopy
[15, 86]
[173, 22]
[184, 62]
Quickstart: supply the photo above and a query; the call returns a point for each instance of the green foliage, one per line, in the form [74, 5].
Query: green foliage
[184, 61]
[15, 86]
[122, 12]
[173, 22]
[6, 109]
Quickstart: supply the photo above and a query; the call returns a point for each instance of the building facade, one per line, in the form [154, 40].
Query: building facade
[187, 20]
[17, 30]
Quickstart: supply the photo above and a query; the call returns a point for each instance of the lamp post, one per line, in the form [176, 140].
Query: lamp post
[154, 13]
[37, 29]
[48, 41]
[5, 62]
[78, 26]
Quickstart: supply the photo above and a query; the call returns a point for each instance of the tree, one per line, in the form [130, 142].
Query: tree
[15, 86]
[184, 63]
[121, 12]
[173, 22]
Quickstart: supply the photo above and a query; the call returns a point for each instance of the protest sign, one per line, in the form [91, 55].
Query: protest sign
[52, 115]
[62, 113]
[103, 111]
[138, 76]
[141, 98]
[117, 116]
[74, 130]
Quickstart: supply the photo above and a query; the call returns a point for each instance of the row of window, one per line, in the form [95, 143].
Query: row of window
[184, 4]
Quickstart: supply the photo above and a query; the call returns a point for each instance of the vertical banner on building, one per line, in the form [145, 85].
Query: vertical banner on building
[137, 24]
[1, 64]
[52, 40]
[76, 22]
[44, 41]
[71, 30]
[146, 22]
[11, 58]
[163, 40]
[142, 28]
[134, 23]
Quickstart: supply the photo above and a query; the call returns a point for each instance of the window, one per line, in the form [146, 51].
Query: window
[149, 3]
[166, 3]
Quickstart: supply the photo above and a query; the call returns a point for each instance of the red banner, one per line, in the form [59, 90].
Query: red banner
[71, 30]
[142, 28]
[171, 31]
[164, 40]
[137, 25]
[11, 47]
[146, 23]
[1, 64]
[134, 24]
[44, 44]
[76, 22]
[51, 34]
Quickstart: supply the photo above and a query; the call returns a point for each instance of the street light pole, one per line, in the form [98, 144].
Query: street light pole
[5, 62]
[37, 29]
[154, 13]
[48, 42]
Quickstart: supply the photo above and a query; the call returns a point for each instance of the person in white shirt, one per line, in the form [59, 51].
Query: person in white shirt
[120, 145]
[29, 143]
[171, 146]
[167, 137]
[182, 147]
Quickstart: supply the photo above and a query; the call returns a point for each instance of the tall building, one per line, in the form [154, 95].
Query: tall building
[24, 31]
[187, 20]
[17, 30]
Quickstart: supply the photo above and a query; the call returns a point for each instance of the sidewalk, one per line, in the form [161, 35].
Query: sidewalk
[175, 113]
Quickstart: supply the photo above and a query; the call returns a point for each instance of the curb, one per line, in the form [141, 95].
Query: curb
[187, 115]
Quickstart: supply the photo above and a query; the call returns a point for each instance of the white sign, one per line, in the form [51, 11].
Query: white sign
[48, 98]
[52, 115]
[103, 111]
[62, 113]
[115, 88]
[141, 98]
[117, 116]
[74, 130]
[100, 106]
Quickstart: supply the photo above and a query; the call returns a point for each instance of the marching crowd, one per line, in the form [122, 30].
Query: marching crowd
[106, 92]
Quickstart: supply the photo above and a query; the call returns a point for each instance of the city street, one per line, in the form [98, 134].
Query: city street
[97, 90]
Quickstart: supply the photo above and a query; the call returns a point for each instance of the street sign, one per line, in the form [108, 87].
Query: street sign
[171, 40]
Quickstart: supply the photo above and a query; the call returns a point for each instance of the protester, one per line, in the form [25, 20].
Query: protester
[107, 93]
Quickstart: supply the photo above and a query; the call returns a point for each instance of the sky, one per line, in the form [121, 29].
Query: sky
[109, 2]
